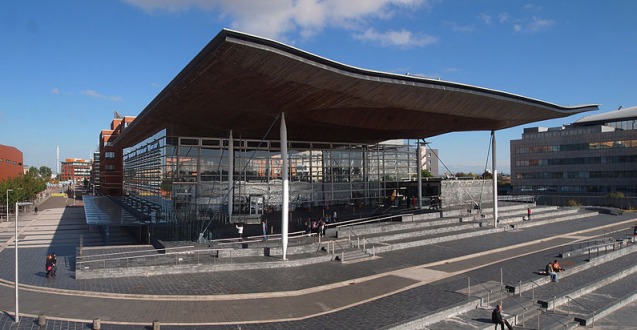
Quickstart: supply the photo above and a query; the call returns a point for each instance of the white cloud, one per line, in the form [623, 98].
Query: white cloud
[504, 17]
[402, 38]
[485, 18]
[279, 18]
[95, 94]
[460, 28]
[539, 24]
[55, 91]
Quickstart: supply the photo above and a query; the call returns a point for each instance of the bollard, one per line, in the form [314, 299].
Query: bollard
[41, 320]
[156, 325]
[97, 325]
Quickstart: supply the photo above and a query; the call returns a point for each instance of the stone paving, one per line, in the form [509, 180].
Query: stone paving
[376, 313]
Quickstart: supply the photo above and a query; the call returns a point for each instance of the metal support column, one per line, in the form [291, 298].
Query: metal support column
[230, 176]
[494, 171]
[285, 188]
[419, 155]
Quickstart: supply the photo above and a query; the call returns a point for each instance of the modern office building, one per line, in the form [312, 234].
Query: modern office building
[430, 159]
[95, 172]
[109, 163]
[10, 162]
[75, 170]
[253, 126]
[595, 156]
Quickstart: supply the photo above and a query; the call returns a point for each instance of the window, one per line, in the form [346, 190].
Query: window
[109, 155]
[110, 167]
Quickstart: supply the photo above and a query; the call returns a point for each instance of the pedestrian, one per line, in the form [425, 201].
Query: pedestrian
[36, 210]
[239, 227]
[496, 317]
[49, 265]
[264, 226]
[528, 212]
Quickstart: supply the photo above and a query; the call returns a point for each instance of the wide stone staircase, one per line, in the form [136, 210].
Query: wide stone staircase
[588, 291]
[347, 242]
[413, 230]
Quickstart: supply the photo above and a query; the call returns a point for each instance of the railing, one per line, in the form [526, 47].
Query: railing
[480, 283]
[358, 242]
[516, 198]
[569, 299]
[177, 255]
[549, 315]
[546, 292]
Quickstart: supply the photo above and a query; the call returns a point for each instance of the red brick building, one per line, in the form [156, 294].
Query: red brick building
[110, 158]
[76, 170]
[10, 162]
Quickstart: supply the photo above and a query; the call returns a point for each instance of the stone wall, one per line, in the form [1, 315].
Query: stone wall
[456, 193]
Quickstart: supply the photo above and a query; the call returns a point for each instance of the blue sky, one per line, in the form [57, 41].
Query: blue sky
[66, 66]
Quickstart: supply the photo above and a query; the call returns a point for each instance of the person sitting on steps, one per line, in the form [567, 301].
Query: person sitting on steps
[556, 267]
[496, 317]
[550, 272]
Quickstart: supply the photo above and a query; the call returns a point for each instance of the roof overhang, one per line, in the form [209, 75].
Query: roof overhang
[242, 83]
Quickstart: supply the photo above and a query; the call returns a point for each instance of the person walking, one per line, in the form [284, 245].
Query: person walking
[239, 227]
[264, 226]
[496, 317]
[528, 212]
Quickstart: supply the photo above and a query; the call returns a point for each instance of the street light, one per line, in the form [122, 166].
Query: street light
[8, 190]
[17, 205]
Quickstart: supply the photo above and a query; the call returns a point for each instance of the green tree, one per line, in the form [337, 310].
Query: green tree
[33, 172]
[46, 172]
[426, 173]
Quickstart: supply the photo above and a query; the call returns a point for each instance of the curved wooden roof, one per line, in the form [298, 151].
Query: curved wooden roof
[241, 82]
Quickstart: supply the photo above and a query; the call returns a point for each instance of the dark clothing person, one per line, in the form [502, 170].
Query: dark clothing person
[49, 265]
[496, 317]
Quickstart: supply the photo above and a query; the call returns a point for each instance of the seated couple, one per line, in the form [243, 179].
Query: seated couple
[552, 269]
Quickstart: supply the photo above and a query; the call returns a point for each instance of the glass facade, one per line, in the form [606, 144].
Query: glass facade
[184, 180]
[589, 159]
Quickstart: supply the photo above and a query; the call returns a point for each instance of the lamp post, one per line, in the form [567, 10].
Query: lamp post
[8, 190]
[17, 205]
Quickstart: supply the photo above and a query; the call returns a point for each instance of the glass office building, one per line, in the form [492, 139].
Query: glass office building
[182, 180]
[595, 156]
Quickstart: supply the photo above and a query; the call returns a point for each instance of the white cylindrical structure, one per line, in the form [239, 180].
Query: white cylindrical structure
[230, 176]
[494, 171]
[17, 313]
[419, 155]
[286, 189]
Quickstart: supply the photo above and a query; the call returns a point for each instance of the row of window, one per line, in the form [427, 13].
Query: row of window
[9, 162]
[577, 146]
[627, 190]
[578, 161]
[577, 175]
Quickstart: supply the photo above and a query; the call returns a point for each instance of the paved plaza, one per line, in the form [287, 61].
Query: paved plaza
[388, 290]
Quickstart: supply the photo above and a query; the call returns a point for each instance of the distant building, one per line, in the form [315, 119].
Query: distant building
[95, 172]
[595, 156]
[429, 160]
[10, 162]
[76, 170]
[110, 157]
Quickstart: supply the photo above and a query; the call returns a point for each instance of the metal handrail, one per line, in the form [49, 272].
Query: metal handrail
[551, 316]
[532, 287]
[365, 241]
[469, 277]
[136, 251]
[569, 299]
